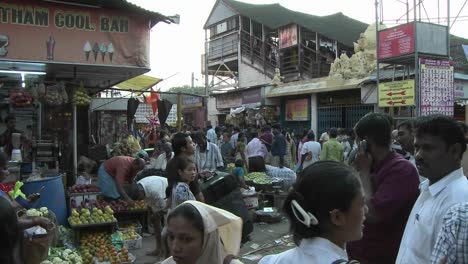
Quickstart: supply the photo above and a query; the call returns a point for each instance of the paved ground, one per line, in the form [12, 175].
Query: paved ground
[266, 239]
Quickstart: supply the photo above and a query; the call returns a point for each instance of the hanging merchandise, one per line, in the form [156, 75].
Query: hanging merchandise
[132, 106]
[20, 99]
[164, 107]
[56, 94]
[81, 97]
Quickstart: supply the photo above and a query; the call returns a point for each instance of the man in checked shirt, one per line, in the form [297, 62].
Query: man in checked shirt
[452, 243]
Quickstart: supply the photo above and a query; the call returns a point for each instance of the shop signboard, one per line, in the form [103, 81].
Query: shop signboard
[297, 110]
[436, 86]
[399, 93]
[41, 31]
[288, 36]
[228, 100]
[189, 101]
[396, 41]
[252, 96]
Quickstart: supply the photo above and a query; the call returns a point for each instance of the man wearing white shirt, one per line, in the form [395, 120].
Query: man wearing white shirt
[310, 151]
[161, 161]
[439, 146]
[211, 134]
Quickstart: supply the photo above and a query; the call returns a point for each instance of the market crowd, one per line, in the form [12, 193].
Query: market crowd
[384, 192]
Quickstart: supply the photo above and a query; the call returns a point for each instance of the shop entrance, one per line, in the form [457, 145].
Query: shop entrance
[344, 116]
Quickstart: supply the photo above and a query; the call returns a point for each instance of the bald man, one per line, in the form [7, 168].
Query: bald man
[117, 171]
[161, 161]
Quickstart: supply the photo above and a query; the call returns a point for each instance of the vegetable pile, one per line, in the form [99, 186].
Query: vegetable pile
[258, 178]
[42, 212]
[63, 256]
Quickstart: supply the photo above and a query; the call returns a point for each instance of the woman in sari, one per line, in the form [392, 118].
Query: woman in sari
[202, 234]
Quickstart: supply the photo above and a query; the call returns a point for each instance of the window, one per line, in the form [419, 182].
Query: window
[225, 26]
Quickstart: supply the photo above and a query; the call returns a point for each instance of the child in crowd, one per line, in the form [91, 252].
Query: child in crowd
[239, 173]
[179, 181]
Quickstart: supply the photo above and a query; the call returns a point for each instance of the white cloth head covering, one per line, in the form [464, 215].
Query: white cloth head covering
[219, 225]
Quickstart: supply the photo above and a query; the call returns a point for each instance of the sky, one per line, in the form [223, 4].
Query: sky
[176, 50]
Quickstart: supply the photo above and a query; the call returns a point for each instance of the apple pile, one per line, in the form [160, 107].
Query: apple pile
[84, 188]
[123, 256]
[95, 216]
[129, 235]
[120, 205]
[96, 244]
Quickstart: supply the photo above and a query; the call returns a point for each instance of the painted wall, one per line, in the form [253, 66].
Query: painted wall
[212, 111]
[249, 76]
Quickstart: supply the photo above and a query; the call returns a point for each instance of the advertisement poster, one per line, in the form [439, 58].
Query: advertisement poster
[288, 36]
[144, 114]
[72, 34]
[297, 110]
[396, 41]
[436, 85]
[399, 93]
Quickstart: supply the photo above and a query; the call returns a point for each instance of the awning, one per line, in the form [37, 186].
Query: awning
[318, 85]
[139, 83]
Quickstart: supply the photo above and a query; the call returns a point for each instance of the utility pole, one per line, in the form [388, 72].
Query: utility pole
[193, 80]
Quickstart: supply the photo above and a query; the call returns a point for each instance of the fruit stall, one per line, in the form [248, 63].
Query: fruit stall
[97, 231]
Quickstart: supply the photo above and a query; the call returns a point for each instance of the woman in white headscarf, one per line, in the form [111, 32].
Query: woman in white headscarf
[203, 234]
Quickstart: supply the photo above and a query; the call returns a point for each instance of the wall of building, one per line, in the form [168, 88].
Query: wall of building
[220, 12]
[212, 111]
[249, 76]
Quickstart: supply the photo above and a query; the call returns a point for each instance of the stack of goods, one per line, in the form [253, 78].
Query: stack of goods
[20, 99]
[81, 97]
[65, 236]
[258, 178]
[95, 216]
[83, 189]
[56, 95]
[131, 239]
[129, 225]
[41, 212]
[120, 206]
[127, 147]
[98, 248]
[63, 256]
[116, 206]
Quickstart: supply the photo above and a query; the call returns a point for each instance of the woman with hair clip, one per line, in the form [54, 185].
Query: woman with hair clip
[203, 234]
[326, 209]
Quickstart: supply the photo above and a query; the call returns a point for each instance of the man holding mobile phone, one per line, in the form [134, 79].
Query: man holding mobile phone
[391, 186]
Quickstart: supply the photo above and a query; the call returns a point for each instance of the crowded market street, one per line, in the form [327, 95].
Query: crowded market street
[233, 132]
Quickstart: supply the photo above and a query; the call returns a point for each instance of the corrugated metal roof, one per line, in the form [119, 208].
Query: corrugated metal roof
[337, 26]
[155, 17]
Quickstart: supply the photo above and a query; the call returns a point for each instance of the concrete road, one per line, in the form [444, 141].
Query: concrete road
[265, 239]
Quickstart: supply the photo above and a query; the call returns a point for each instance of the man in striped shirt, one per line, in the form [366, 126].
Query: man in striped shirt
[207, 155]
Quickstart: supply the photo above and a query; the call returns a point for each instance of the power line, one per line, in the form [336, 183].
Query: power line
[458, 13]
